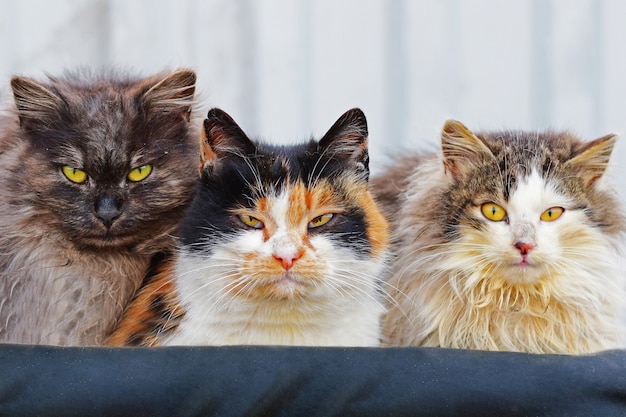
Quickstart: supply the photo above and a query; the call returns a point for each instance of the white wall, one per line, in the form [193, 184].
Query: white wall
[286, 69]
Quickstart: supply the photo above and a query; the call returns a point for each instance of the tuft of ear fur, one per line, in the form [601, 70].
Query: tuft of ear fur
[222, 137]
[346, 140]
[175, 93]
[461, 148]
[593, 158]
[34, 102]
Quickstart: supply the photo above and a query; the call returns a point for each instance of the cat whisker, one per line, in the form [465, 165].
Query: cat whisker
[345, 281]
[194, 271]
[225, 290]
[257, 187]
[351, 278]
[216, 277]
[381, 286]
[314, 182]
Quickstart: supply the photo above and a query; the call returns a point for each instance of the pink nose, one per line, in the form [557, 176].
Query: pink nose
[287, 259]
[524, 248]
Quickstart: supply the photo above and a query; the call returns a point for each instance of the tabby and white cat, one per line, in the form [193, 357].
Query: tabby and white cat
[506, 241]
[283, 245]
[93, 180]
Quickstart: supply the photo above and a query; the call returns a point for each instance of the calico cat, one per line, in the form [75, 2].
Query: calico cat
[505, 241]
[282, 245]
[93, 181]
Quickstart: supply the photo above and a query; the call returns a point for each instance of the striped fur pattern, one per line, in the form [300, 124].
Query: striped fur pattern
[283, 245]
[507, 240]
[76, 234]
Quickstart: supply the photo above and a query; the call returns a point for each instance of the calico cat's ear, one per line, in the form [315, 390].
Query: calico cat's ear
[346, 140]
[35, 103]
[593, 158]
[174, 93]
[221, 137]
[461, 148]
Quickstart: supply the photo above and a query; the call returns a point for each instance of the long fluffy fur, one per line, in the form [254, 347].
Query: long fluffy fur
[64, 280]
[449, 284]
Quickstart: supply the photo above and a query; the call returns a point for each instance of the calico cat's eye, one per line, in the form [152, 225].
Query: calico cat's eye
[251, 221]
[552, 214]
[139, 173]
[493, 212]
[320, 220]
[75, 175]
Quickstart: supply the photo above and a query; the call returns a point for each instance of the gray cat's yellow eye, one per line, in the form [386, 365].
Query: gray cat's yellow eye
[493, 212]
[139, 173]
[552, 214]
[251, 221]
[75, 175]
[320, 220]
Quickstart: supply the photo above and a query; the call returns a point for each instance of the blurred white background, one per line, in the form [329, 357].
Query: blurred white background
[287, 69]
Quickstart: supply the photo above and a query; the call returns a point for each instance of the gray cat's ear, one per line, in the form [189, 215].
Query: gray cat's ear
[221, 137]
[593, 158]
[174, 93]
[346, 141]
[34, 102]
[461, 148]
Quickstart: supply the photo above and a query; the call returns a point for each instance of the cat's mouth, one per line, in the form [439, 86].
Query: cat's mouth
[524, 261]
[524, 271]
[287, 279]
[287, 285]
[108, 240]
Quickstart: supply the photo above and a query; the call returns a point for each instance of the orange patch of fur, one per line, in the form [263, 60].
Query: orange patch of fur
[378, 228]
[206, 152]
[298, 208]
[322, 199]
[139, 318]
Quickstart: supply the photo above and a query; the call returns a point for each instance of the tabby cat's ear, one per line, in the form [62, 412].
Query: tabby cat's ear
[221, 137]
[593, 158]
[461, 149]
[174, 93]
[35, 103]
[346, 141]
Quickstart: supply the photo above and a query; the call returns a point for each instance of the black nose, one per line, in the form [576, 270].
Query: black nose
[108, 208]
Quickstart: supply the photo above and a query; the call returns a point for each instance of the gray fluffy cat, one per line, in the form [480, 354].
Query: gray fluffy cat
[93, 179]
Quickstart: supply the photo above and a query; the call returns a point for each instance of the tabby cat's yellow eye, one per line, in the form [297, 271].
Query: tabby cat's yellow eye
[552, 214]
[251, 221]
[493, 212]
[320, 220]
[75, 175]
[139, 173]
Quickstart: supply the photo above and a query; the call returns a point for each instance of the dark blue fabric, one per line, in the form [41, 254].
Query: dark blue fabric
[291, 381]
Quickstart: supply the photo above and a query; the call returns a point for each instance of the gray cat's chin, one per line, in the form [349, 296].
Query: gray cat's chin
[108, 243]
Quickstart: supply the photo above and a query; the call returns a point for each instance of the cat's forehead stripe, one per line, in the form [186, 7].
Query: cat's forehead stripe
[297, 208]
